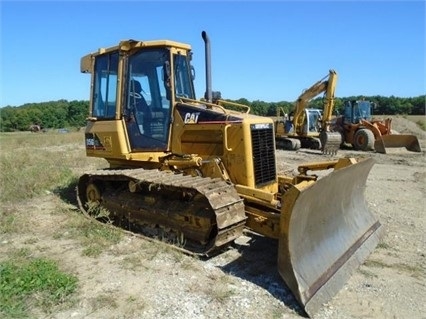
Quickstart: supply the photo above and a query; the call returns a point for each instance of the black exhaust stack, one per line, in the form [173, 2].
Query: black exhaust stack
[208, 95]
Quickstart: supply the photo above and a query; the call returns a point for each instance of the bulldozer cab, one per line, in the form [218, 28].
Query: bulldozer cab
[132, 83]
[147, 98]
[355, 111]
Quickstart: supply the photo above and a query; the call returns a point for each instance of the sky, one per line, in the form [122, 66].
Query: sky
[261, 50]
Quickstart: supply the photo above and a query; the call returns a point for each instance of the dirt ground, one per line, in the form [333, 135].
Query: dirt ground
[138, 279]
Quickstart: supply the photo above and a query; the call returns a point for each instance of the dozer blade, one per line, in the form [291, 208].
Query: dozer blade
[410, 142]
[327, 231]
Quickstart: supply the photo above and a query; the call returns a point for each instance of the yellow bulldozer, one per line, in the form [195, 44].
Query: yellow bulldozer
[199, 172]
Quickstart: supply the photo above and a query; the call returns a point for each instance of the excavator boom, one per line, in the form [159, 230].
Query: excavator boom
[326, 85]
[310, 127]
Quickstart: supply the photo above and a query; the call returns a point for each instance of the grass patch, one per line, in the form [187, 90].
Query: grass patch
[383, 245]
[27, 175]
[376, 264]
[104, 301]
[135, 306]
[33, 164]
[420, 120]
[221, 292]
[221, 289]
[421, 124]
[367, 273]
[190, 263]
[414, 271]
[27, 283]
[96, 237]
[11, 221]
[134, 262]
[21, 254]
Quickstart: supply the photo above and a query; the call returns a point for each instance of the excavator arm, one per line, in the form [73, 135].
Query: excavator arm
[326, 85]
[330, 141]
[329, 100]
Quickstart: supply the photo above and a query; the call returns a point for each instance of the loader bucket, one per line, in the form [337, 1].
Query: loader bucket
[326, 232]
[410, 142]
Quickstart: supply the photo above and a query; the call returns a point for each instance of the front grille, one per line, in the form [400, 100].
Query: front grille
[262, 139]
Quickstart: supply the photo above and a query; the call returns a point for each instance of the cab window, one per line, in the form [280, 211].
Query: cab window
[147, 107]
[183, 78]
[105, 86]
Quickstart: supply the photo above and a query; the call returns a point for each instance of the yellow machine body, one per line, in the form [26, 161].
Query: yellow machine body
[307, 127]
[215, 164]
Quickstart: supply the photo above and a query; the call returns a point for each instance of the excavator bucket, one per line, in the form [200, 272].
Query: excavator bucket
[410, 142]
[327, 231]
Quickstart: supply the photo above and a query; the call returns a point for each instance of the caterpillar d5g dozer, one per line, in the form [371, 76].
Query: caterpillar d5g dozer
[198, 172]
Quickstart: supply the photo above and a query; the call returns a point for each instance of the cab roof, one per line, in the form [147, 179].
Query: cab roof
[127, 45]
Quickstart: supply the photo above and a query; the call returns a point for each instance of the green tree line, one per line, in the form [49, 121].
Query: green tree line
[53, 114]
[63, 113]
[384, 105]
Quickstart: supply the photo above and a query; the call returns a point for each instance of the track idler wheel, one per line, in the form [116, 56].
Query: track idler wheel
[93, 194]
[89, 197]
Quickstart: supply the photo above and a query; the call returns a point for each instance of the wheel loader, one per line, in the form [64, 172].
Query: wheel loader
[358, 128]
[198, 173]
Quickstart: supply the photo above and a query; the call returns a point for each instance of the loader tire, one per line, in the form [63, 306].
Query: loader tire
[364, 140]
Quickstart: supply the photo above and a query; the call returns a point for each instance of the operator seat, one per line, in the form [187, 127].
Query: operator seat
[139, 107]
[136, 98]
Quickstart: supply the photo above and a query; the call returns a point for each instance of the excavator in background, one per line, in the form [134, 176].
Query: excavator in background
[307, 127]
[358, 128]
[197, 173]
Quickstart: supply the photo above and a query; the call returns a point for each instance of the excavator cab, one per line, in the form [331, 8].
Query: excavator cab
[313, 121]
